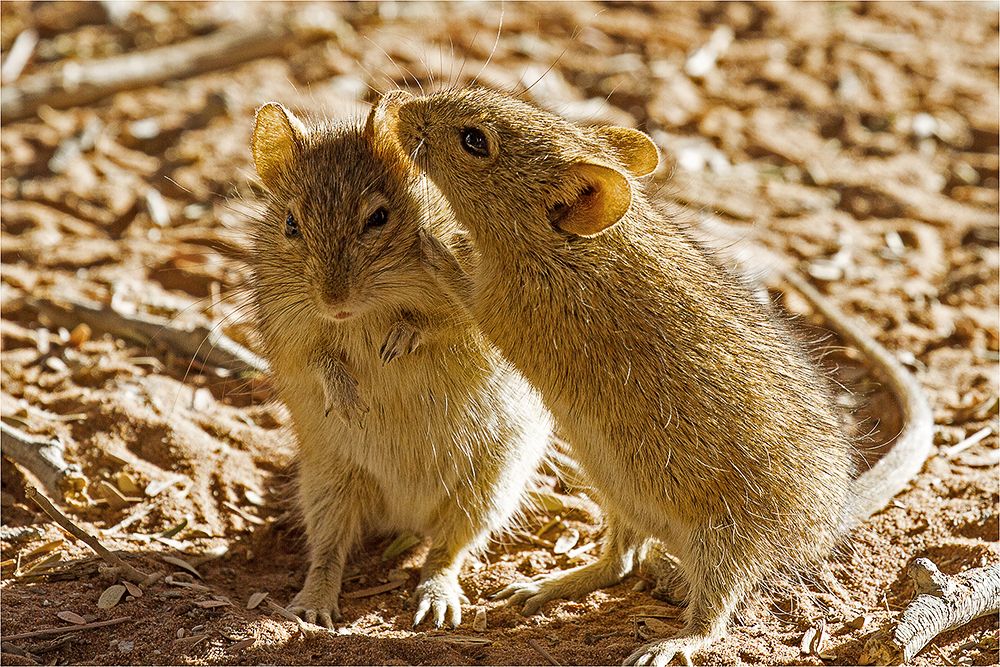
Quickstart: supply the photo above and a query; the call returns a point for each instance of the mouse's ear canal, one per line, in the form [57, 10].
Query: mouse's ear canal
[634, 148]
[277, 138]
[603, 197]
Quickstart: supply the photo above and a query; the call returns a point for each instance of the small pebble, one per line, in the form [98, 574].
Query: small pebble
[479, 622]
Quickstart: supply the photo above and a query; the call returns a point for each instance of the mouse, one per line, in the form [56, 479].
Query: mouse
[405, 416]
[700, 420]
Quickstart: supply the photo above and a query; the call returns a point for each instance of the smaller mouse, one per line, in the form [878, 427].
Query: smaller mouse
[406, 417]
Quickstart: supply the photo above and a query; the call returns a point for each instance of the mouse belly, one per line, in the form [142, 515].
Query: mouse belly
[426, 442]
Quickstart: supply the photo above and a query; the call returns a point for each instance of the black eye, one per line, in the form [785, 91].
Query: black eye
[291, 227]
[474, 142]
[378, 218]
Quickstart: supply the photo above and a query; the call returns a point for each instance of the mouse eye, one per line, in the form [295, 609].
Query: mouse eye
[291, 227]
[474, 142]
[378, 218]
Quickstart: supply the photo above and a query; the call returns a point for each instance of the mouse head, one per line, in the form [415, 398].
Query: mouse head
[500, 160]
[344, 208]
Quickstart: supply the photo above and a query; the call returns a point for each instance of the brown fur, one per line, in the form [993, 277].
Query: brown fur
[693, 411]
[441, 441]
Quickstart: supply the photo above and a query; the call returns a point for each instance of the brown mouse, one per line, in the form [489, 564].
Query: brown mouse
[695, 413]
[441, 441]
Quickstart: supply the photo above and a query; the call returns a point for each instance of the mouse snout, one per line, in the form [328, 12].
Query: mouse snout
[334, 300]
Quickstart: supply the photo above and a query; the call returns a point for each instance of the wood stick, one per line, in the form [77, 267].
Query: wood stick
[77, 84]
[208, 345]
[942, 603]
[542, 652]
[42, 458]
[65, 629]
[131, 573]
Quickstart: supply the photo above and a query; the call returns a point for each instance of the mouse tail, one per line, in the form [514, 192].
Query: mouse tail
[904, 459]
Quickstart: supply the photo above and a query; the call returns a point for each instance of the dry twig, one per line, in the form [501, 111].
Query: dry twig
[43, 459]
[942, 603]
[78, 84]
[68, 628]
[542, 652]
[131, 573]
[208, 345]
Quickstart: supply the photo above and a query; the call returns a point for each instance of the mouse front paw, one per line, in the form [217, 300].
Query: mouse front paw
[341, 391]
[660, 653]
[316, 607]
[403, 338]
[441, 264]
[439, 598]
[350, 408]
[435, 256]
[533, 594]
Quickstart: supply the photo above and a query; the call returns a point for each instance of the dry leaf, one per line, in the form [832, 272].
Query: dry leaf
[479, 622]
[807, 641]
[126, 484]
[114, 497]
[239, 646]
[400, 545]
[547, 501]
[110, 597]
[71, 617]
[43, 549]
[566, 541]
[656, 627]
[462, 640]
[170, 532]
[374, 590]
[256, 599]
[132, 589]
[656, 611]
[184, 565]
[211, 604]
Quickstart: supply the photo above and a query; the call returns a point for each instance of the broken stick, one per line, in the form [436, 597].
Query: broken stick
[77, 84]
[43, 459]
[131, 573]
[66, 629]
[942, 602]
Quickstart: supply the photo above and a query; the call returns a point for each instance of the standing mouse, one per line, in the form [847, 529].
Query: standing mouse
[697, 417]
[442, 441]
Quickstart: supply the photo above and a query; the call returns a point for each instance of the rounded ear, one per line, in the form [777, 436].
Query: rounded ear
[382, 118]
[634, 148]
[278, 137]
[603, 197]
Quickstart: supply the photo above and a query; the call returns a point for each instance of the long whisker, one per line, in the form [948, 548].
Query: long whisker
[496, 43]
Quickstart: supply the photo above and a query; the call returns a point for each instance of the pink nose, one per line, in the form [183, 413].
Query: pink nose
[342, 315]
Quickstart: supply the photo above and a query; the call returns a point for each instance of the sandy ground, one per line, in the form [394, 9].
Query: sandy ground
[861, 141]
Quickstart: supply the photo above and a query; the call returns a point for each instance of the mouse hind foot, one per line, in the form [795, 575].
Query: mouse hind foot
[660, 653]
[615, 562]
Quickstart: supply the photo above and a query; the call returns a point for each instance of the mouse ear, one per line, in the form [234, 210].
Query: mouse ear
[634, 148]
[278, 137]
[382, 118]
[603, 197]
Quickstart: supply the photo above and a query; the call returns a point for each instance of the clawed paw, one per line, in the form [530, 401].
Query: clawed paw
[660, 653]
[350, 408]
[533, 594]
[402, 339]
[434, 255]
[440, 599]
[317, 614]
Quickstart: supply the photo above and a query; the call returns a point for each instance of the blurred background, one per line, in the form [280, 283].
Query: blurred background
[859, 140]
